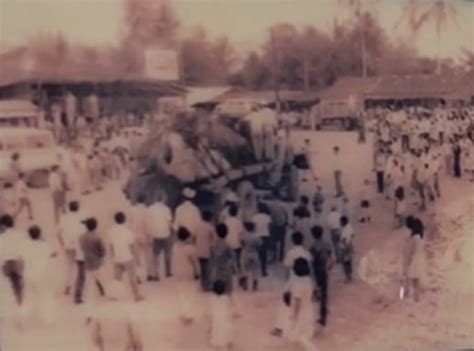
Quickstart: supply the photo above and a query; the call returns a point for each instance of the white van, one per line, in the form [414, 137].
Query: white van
[38, 152]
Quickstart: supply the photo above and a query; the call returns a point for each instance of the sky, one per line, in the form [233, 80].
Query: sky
[245, 22]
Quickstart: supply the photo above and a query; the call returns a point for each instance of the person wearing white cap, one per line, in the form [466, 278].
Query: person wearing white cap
[158, 225]
[187, 214]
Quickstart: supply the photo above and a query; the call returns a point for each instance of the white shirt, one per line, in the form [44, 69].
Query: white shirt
[54, 182]
[334, 220]
[262, 222]
[21, 189]
[12, 242]
[347, 233]
[138, 217]
[235, 230]
[337, 162]
[158, 221]
[37, 256]
[188, 216]
[294, 253]
[121, 238]
[71, 229]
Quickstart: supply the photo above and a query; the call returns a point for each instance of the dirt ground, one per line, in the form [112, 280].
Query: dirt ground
[363, 315]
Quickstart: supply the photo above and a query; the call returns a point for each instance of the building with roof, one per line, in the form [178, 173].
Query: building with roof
[355, 93]
[22, 77]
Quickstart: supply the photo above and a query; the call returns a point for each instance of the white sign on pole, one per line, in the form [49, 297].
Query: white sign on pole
[161, 64]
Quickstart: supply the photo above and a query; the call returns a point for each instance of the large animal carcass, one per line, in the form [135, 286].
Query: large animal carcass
[207, 153]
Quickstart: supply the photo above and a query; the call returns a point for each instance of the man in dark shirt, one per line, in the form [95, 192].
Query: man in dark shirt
[93, 250]
[322, 261]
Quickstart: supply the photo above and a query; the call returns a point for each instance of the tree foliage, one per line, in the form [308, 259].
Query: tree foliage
[206, 61]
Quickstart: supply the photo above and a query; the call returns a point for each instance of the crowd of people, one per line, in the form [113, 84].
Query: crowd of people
[220, 251]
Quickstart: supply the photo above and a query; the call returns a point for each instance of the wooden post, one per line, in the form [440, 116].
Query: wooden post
[276, 78]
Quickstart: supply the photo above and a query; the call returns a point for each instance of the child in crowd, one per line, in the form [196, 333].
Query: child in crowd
[250, 259]
[364, 197]
[22, 194]
[184, 266]
[223, 260]
[221, 317]
[347, 249]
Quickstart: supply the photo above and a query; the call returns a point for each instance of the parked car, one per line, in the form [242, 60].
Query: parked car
[38, 152]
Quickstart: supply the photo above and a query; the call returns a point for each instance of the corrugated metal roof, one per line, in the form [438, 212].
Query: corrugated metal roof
[344, 87]
[268, 96]
[396, 87]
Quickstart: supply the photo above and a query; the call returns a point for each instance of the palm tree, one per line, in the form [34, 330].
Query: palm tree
[468, 59]
[411, 13]
[439, 12]
[359, 8]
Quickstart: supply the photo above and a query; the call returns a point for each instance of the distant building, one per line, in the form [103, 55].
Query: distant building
[22, 78]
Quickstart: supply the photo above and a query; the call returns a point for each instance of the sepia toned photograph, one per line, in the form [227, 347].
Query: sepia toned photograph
[236, 175]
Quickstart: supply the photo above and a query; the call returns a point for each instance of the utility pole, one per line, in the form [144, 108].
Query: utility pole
[276, 78]
[305, 74]
[364, 53]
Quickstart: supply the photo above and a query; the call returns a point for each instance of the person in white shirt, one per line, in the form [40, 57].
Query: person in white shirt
[12, 242]
[185, 276]
[338, 172]
[256, 120]
[138, 215]
[262, 221]
[221, 328]
[347, 247]
[204, 237]
[380, 164]
[365, 202]
[235, 229]
[23, 196]
[334, 224]
[7, 199]
[159, 220]
[68, 232]
[38, 260]
[124, 255]
[58, 192]
[424, 175]
[297, 251]
[302, 315]
[187, 214]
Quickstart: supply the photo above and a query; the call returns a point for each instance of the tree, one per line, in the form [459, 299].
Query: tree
[360, 9]
[51, 51]
[205, 61]
[223, 58]
[255, 73]
[440, 12]
[411, 14]
[468, 60]
[146, 24]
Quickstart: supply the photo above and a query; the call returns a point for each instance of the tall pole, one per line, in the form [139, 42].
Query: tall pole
[276, 78]
[363, 48]
[306, 74]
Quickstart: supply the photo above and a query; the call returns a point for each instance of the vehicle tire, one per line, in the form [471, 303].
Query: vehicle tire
[248, 199]
[38, 178]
